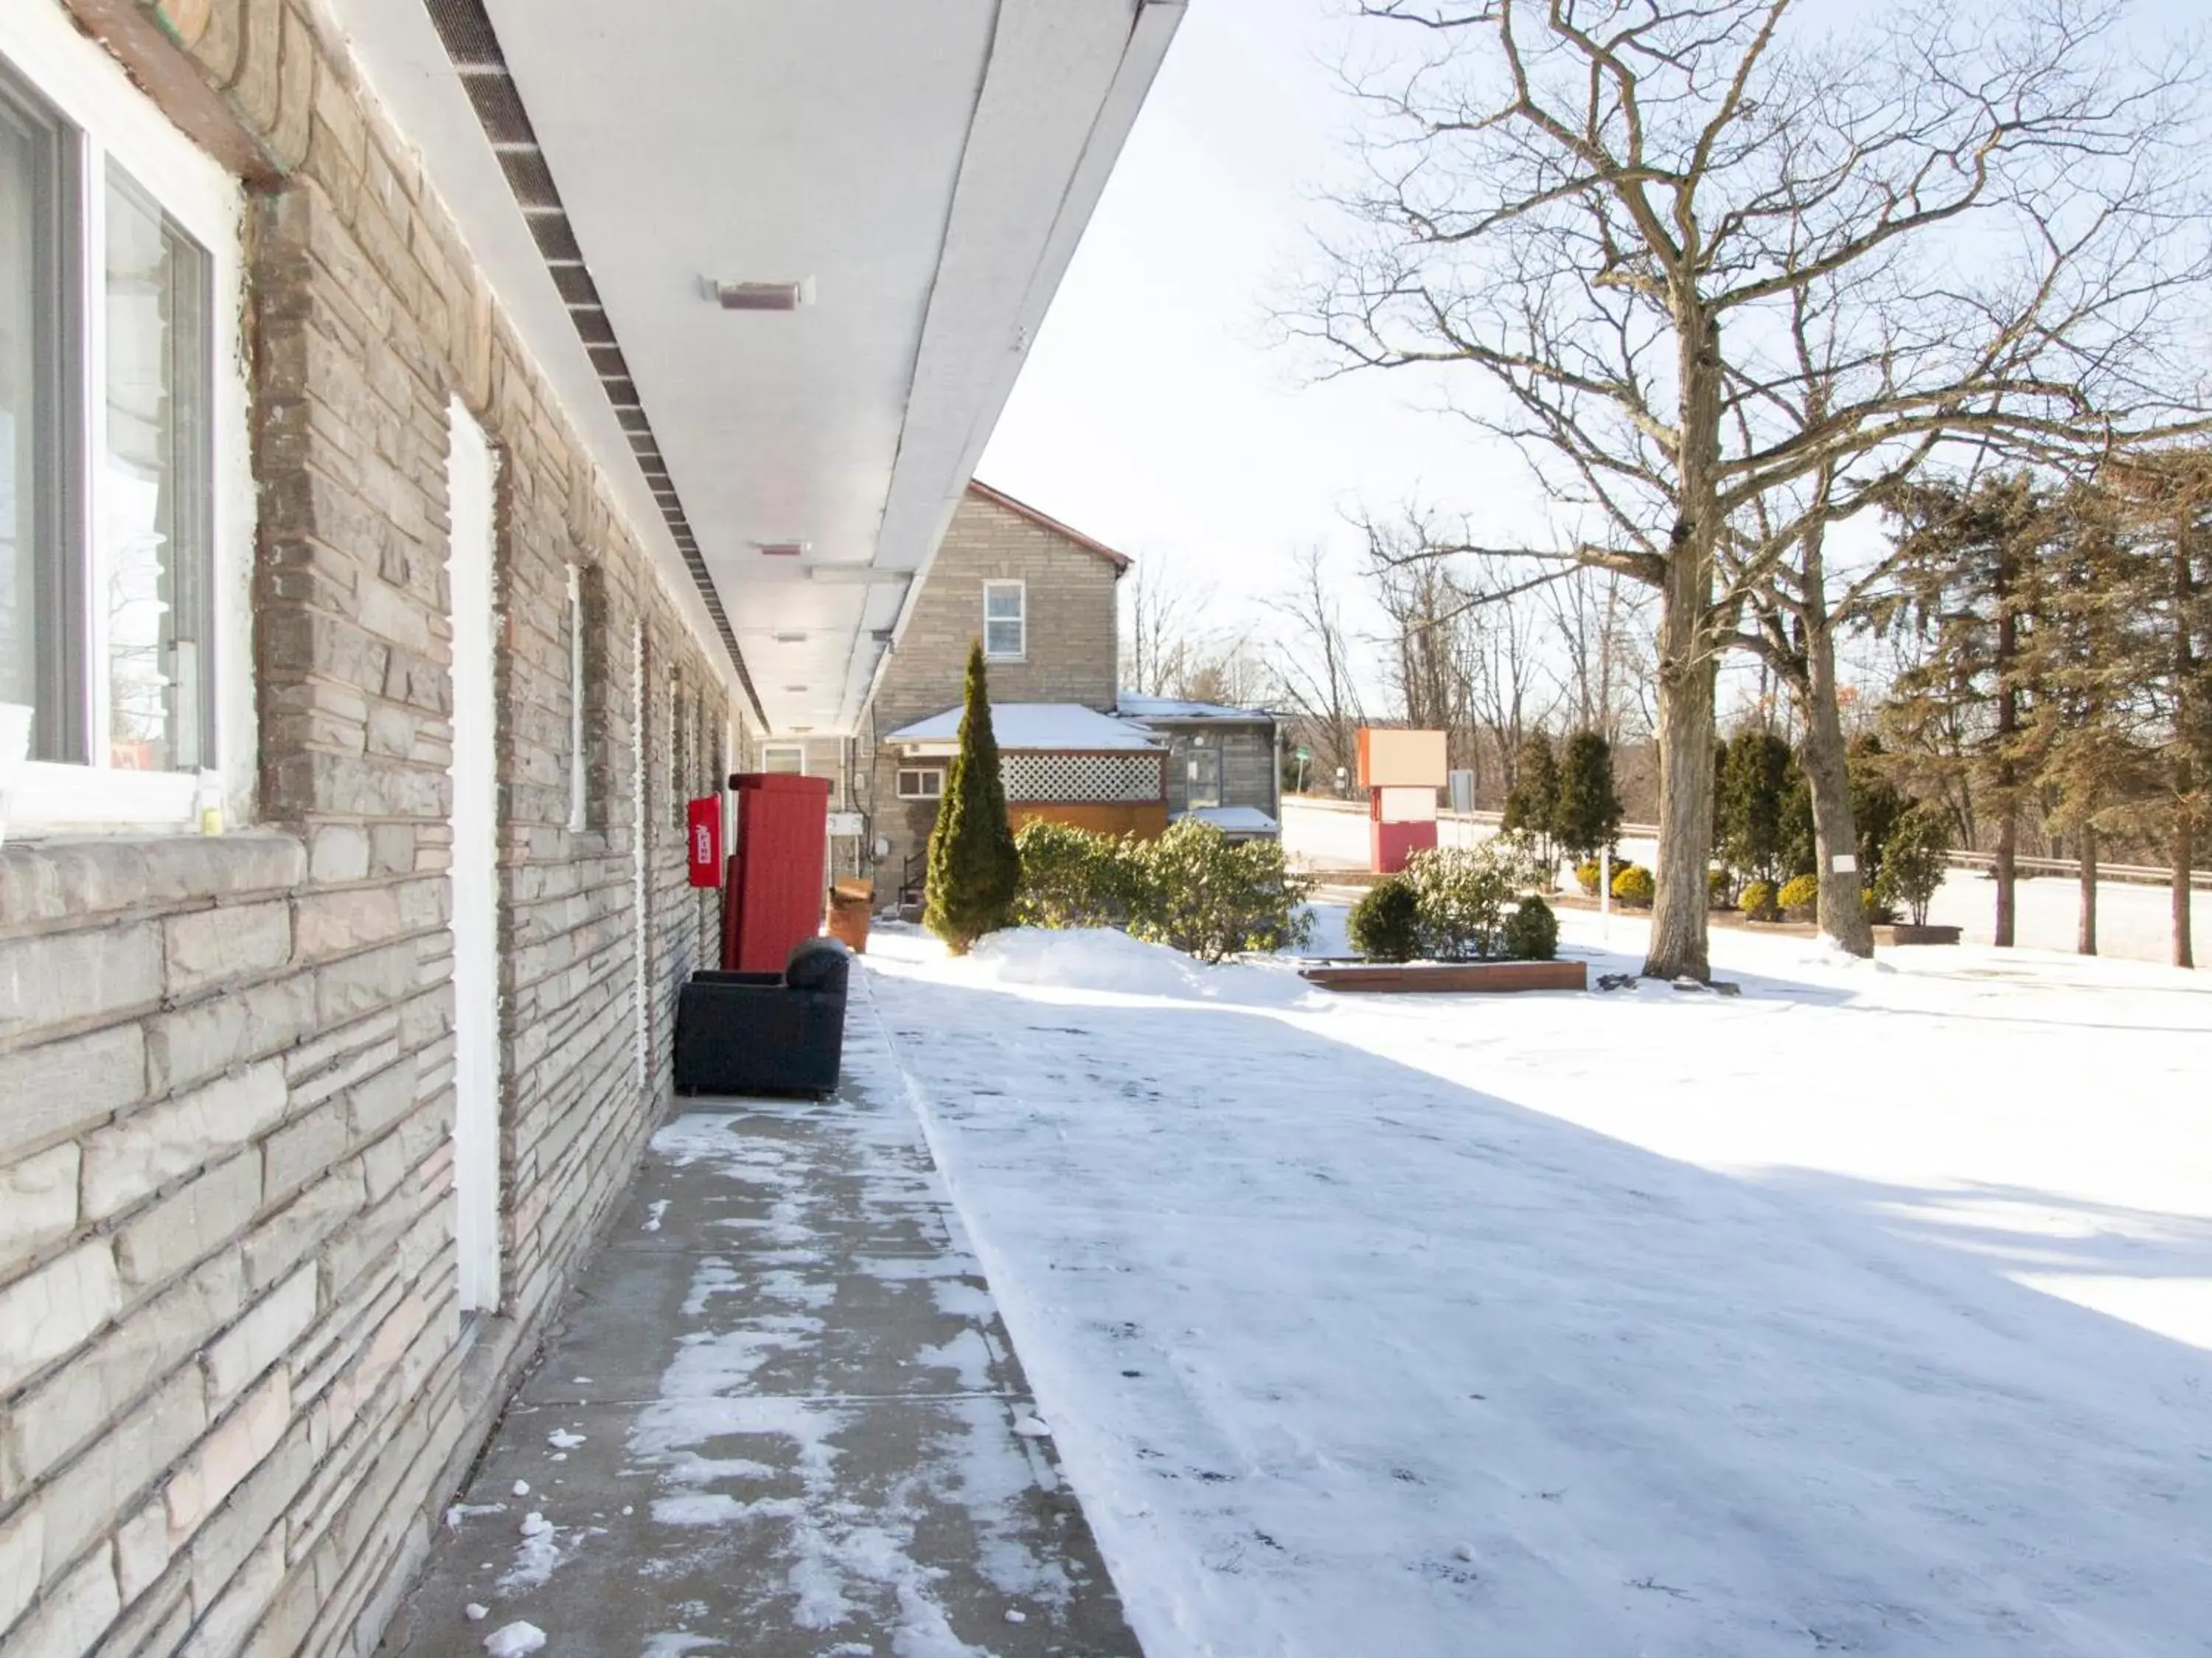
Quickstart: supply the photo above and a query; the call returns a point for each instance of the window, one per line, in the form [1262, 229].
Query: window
[1005, 633]
[1202, 778]
[579, 774]
[921, 783]
[788, 759]
[123, 452]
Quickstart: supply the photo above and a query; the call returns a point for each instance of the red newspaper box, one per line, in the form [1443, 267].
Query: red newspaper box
[776, 869]
[705, 815]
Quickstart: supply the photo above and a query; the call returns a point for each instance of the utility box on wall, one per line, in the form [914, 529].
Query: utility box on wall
[772, 900]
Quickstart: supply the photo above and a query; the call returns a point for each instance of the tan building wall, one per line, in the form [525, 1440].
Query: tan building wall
[1071, 651]
[236, 1387]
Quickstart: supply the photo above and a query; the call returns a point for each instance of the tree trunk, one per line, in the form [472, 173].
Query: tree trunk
[1688, 659]
[2008, 698]
[2184, 861]
[2085, 936]
[1842, 913]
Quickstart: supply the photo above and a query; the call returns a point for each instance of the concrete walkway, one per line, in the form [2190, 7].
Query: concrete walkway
[779, 1416]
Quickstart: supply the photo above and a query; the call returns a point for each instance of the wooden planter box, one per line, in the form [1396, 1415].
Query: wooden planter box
[1457, 978]
[1904, 932]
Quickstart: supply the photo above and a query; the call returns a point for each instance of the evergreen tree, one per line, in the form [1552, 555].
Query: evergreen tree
[1970, 570]
[1588, 818]
[1877, 806]
[1532, 807]
[1751, 828]
[975, 869]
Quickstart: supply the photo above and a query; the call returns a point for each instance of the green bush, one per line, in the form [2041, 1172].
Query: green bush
[1757, 900]
[974, 869]
[1720, 890]
[1587, 819]
[1385, 924]
[1203, 894]
[1070, 878]
[1914, 861]
[1586, 874]
[1531, 933]
[1633, 885]
[1800, 897]
[1461, 893]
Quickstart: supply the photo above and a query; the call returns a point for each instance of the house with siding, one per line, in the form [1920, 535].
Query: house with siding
[436, 443]
[1042, 598]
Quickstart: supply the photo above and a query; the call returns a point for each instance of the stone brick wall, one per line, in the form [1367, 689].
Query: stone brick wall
[235, 1384]
[1072, 654]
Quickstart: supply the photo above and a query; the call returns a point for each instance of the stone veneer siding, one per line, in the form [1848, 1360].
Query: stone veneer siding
[235, 1385]
[1073, 643]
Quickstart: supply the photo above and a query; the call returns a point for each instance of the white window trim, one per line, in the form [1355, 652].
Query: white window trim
[1021, 653]
[937, 771]
[798, 748]
[578, 776]
[118, 123]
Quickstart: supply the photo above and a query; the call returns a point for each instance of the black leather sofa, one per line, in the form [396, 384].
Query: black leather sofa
[765, 1033]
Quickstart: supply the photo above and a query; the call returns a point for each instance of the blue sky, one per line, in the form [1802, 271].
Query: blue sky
[1156, 413]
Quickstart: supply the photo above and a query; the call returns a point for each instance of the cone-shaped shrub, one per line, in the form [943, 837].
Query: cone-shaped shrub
[975, 870]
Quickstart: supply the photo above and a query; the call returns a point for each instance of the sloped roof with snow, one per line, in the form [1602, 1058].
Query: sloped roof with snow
[1059, 728]
[1174, 708]
[1235, 819]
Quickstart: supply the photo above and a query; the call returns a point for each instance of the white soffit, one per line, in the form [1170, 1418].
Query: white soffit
[930, 167]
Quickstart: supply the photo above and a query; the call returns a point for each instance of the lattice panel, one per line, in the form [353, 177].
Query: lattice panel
[1066, 779]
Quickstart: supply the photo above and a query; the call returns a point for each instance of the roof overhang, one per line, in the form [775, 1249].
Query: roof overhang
[927, 171]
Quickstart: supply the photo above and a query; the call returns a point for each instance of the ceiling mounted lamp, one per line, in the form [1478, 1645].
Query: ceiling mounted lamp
[760, 296]
[789, 638]
[796, 690]
[784, 549]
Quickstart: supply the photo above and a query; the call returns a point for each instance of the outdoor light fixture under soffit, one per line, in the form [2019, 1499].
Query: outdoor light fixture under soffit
[759, 296]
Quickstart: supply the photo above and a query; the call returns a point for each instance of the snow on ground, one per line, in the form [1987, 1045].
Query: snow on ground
[1871, 1311]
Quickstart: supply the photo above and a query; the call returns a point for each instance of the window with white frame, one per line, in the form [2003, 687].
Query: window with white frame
[122, 441]
[579, 772]
[921, 783]
[1006, 623]
[788, 759]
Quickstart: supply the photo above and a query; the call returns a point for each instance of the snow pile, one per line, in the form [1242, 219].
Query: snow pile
[515, 1640]
[1102, 959]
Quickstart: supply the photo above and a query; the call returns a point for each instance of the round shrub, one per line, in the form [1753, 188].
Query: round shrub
[1757, 900]
[1073, 878]
[1633, 885]
[1914, 861]
[1385, 925]
[1208, 896]
[1720, 890]
[1461, 893]
[1800, 897]
[1586, 875]
[1531, 932]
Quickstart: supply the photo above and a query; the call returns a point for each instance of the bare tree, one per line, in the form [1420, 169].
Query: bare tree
[1599, 624]
[1313, 664]
[1609, 208]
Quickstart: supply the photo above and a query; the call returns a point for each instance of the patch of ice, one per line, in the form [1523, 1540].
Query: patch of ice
[675, 1645]
[700, 1508]
[967, 1353]
[461, 1511]
[1031, 1427]
[563, 1439]
[514, 1640]
[475, 1611]
[1015, 1615]
[522, 1488]
[655, 1211]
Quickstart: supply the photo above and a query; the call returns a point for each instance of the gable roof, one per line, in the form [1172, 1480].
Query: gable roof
[983, 491]
[1049, 727]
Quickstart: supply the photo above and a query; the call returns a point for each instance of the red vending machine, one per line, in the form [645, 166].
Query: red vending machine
[772, 900]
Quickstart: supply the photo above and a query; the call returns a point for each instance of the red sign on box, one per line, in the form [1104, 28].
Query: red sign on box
[706, 848]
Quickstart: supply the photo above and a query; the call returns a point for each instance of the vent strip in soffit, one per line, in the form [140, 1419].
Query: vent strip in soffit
[472, 44]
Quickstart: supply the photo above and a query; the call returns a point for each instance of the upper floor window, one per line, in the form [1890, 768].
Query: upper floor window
[789, 758]
[117, 240]
[1005, 622]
